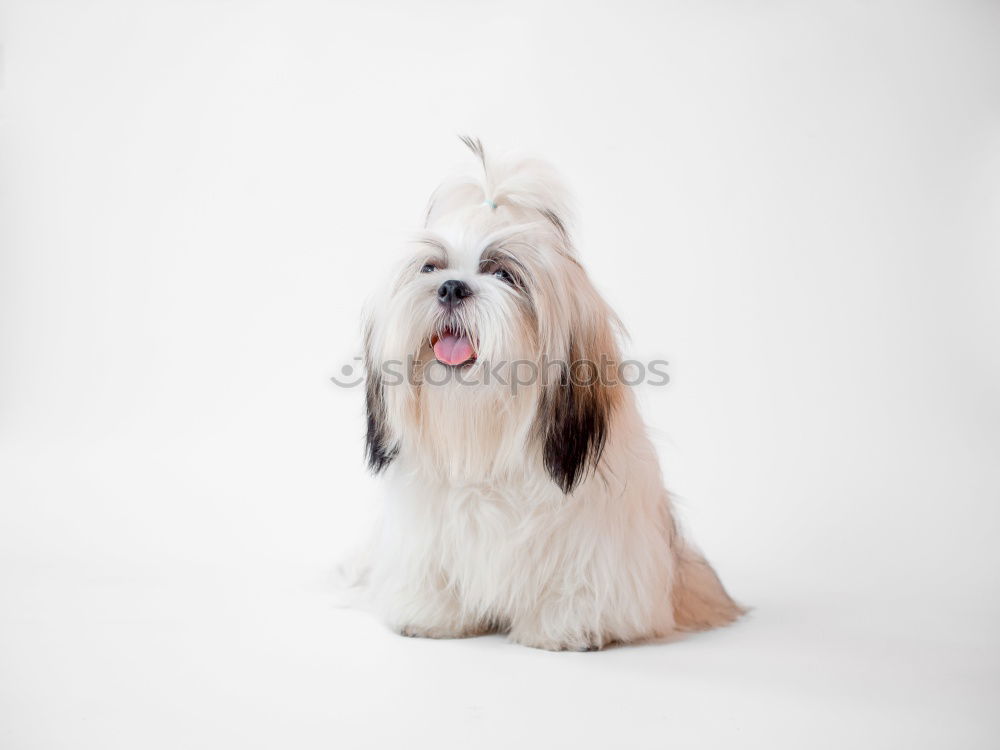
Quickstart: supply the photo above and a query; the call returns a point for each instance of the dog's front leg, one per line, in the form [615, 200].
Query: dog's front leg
[423, 606]
[561, 626]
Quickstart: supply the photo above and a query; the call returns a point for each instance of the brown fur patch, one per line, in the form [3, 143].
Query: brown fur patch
[700, 600]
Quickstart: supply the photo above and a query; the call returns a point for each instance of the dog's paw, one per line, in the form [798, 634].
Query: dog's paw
[420, 631]
[437, 631]
[569, 642]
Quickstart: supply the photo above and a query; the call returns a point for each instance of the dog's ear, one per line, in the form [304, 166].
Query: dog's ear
[379, 449]
[575, 412]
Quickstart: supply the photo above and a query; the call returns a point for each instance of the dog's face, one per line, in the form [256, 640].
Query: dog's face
[470, 348]
[469, 295]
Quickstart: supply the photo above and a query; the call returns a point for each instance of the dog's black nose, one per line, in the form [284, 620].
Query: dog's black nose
[452, 292]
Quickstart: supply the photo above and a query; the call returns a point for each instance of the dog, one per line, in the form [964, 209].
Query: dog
[523, 495]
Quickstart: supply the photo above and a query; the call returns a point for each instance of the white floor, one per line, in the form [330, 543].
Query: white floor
[155, 627]
[100, 657]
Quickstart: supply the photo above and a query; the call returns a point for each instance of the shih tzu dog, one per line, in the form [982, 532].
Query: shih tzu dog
[523, 495]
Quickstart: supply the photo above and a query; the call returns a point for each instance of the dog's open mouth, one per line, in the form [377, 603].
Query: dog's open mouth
[453, 348]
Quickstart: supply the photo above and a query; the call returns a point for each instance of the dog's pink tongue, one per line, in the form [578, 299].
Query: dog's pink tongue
[453, 349]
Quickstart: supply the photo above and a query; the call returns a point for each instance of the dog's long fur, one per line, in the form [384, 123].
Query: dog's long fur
[538, 512]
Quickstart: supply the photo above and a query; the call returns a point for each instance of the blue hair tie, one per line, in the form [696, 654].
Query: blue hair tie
[490, 203]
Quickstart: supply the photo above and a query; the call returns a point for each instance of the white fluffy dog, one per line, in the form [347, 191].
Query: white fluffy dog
[524, 496]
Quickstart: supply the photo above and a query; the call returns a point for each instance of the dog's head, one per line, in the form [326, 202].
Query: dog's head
[489, 348]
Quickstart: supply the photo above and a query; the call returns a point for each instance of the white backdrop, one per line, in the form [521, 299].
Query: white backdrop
[796, 204]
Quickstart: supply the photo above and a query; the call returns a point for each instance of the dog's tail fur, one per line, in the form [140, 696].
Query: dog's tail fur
[700, 600]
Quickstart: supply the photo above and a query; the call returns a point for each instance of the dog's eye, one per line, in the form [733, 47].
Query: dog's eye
[428, 268]
[504, 275]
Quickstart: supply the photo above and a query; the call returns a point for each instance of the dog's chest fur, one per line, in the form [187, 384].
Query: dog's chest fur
[484, 540]
[506, 548]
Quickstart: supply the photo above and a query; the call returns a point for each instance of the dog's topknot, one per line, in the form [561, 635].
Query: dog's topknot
[529, 188]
